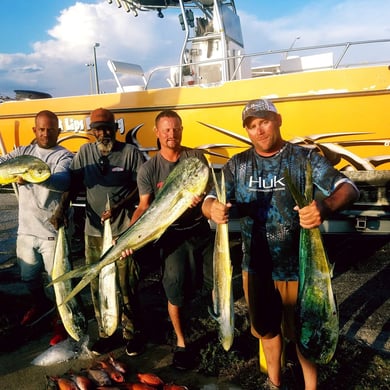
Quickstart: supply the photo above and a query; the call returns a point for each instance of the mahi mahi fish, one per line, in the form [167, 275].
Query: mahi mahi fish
[70, 313]
[317, 315]
[108, 297]
[29, 168]
[223, 306]
[188, 179]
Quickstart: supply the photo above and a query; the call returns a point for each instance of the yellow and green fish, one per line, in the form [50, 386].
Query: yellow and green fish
[187, 179]
[317, 315]
[223, 304]
[108, 296]
[71, 315]
[31, 169]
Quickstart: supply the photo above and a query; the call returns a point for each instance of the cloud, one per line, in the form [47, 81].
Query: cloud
[319, 22]
[60, 62]
[322, 23]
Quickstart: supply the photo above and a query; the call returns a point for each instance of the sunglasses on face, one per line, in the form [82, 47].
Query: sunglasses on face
[104, 164]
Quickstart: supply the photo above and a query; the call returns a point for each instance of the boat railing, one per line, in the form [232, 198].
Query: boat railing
[273, 62]
[342, 52]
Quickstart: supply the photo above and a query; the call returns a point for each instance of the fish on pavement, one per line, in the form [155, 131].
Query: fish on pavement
[223, 305]
[30, 168]
[71, 315]
[317, 315]
[65, 350]
[188, 179]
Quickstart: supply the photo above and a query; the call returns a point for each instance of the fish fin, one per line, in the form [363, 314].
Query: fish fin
[74, 273]
[298, 197]
[217, 190]
[220, 190]
[309, 183]
[331, 268]
[87, 278]
[212, 313]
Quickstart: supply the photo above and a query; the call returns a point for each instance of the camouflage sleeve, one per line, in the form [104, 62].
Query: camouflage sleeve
[325, 176]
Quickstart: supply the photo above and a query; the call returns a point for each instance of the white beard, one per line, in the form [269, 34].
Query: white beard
[105, 147]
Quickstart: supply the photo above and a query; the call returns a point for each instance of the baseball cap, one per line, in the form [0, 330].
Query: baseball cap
[259, 108]
[101, 117]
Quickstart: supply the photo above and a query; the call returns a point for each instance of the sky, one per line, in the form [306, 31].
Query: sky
[46, 44]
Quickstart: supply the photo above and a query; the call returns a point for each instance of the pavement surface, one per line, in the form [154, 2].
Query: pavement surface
[361, 285]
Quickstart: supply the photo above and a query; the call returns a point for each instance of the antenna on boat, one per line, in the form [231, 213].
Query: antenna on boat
[97, 44]
[90, 66]
[291, 46]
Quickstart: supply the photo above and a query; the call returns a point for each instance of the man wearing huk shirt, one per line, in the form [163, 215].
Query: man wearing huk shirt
[270, 225]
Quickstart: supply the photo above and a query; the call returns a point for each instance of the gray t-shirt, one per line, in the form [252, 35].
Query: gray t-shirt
[114, 176]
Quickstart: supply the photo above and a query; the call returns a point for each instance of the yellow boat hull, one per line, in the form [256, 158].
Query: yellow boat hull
[327, 106]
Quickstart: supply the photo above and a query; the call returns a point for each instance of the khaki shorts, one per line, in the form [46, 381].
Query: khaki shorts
[272, 309]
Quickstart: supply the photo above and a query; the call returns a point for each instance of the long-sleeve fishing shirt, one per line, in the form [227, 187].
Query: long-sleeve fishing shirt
[37, 202]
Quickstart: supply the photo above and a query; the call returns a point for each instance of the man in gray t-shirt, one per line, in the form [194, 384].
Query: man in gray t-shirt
[107, 169]
[187, 245]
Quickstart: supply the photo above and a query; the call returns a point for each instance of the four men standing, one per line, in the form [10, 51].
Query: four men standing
[270, 221]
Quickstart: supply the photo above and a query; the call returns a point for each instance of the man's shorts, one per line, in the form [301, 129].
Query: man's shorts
[188, 260]
[34, 255]
[271, 305]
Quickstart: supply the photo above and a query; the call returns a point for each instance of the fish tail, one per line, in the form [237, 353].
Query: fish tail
[87, 278]
[75, 273]
[213, 314]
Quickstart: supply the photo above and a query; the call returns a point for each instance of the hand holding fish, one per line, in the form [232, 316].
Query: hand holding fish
[310, 215]
[23, 169]
[106, 214]
[126, 253]
[59, 218]
[196, 200]
[21, 181]
[216, 211]
[110, 214]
